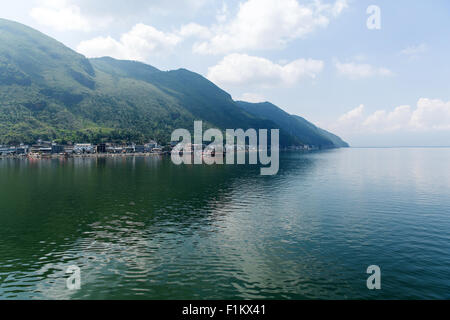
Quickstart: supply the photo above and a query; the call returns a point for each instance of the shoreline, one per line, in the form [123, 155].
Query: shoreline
[35, 156]
[80, 156]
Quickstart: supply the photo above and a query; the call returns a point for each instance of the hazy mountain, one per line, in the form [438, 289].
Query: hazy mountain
[293, 125]
[49, 91]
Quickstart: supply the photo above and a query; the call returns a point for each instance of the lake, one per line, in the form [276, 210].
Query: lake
[143, 228]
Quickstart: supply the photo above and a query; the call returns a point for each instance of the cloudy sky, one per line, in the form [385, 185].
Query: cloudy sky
[315, 58]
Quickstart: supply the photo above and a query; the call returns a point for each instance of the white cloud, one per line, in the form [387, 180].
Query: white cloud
[103, 46]
[222, 15]
[239, 69]
[361, 70]
[61, 15]
[252, 97]
[268, 24]
[429, 115]
[194, 30]
[353, 116]
[337, 7]
[137, 44]
[383, 121]
[414, 52]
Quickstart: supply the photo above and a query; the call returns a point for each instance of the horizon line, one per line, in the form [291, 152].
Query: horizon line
[399, 147]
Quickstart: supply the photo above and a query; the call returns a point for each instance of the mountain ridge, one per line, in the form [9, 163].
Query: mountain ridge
[51, 92]
[294, 125]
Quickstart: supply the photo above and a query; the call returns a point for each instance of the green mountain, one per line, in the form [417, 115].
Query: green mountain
[293, 125]
[51, 92]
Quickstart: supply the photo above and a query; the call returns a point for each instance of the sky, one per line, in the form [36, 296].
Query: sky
[375, 72]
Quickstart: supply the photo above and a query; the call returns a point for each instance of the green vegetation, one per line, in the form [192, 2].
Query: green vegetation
[49, 91]
[296, 126]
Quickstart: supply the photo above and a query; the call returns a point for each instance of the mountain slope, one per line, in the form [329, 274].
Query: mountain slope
[29, 57]
[199, 96]
[49, 91]
[296, 126]
[336, 141]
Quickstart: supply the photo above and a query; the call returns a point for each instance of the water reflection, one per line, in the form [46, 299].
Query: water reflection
[144, 228]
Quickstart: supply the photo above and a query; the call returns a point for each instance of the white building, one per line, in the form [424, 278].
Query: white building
[83, 148]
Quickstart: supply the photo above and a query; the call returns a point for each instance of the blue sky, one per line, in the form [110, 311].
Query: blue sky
[317, 59]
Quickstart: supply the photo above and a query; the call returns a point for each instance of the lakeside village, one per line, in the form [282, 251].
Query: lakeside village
[47, 149]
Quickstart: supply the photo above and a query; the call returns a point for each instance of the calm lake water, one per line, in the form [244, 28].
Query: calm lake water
[143, 228]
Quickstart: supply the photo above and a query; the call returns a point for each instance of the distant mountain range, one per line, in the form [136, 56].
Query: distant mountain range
[50, 92]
